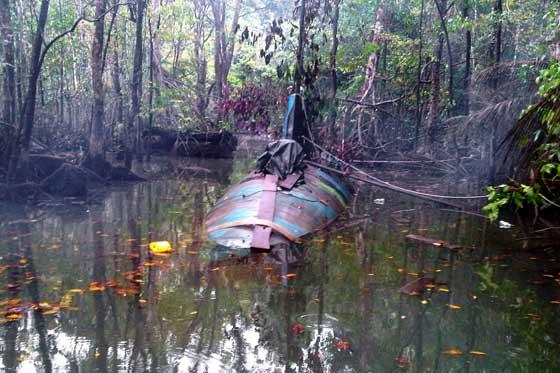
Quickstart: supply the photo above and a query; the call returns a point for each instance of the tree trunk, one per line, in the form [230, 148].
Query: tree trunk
[419, 76]
[116, 79]
[200, 8]
[223, 46]
[9, 73]
[96, 140]
[27, 117]
[442, 12]
[135, 120]
[368, 88]
[434, 104]
[468, 62]
[499, 10]
[332, 68]
[300, 48]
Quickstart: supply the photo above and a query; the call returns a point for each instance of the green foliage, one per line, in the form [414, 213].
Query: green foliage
[546, 157]
[507, 196]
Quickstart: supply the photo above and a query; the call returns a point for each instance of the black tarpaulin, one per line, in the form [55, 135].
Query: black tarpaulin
[282, 158]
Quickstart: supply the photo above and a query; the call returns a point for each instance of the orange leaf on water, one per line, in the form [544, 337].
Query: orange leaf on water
[96, 286]
[342, 345]
[13, 317]
[51, 311]
[453, 352]
[477, 353]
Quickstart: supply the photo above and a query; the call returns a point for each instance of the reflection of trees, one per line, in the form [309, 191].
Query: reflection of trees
[13, 283]
[100, 345]
[33, 288]
[185, 307]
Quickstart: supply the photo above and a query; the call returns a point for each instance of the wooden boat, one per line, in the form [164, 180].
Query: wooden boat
[282, 201]
[262, 211]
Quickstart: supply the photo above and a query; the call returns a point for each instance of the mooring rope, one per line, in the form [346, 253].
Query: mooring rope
[387, 184]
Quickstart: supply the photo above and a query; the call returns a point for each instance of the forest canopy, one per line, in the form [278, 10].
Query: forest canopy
[439, 79]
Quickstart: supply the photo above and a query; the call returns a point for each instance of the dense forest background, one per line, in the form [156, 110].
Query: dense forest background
[439, 79]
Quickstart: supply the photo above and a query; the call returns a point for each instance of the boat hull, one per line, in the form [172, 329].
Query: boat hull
[297, 211]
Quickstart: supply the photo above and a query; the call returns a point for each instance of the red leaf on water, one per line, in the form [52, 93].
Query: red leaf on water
[298, 328]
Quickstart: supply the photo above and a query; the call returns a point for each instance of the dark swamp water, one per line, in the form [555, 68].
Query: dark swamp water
[80, 291]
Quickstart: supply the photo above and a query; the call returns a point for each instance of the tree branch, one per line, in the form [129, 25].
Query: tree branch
[72, 29]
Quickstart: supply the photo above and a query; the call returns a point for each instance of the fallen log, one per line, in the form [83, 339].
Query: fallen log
[214, 144]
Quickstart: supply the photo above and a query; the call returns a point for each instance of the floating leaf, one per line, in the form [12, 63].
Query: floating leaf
[534, 317]
[453, 352]
[298, 328]
[402, 362]
[454, 306]
[160, 247]
[13, 317]
[477, 353]
[96, 286]
[290, 275]
[49, 312]
[342, 345]
[426, 240]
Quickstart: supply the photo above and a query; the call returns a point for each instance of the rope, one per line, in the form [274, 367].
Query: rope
[387, 184]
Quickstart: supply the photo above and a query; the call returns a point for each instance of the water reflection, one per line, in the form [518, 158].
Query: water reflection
[80, 291]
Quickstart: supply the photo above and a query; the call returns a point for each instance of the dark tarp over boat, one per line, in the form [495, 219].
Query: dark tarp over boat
[283, 199]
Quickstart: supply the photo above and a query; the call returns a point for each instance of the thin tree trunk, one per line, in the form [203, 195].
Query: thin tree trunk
[135, 120]
[442, 12]
[95, 149]
[499, 11]
[419, 76]
[332, 68]
[116, 79]
[9, 73]
[200, 8]
[223, 46]
[368, 89]
[468, 62]
[299, 53]
[434, 105]
[23, 139]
